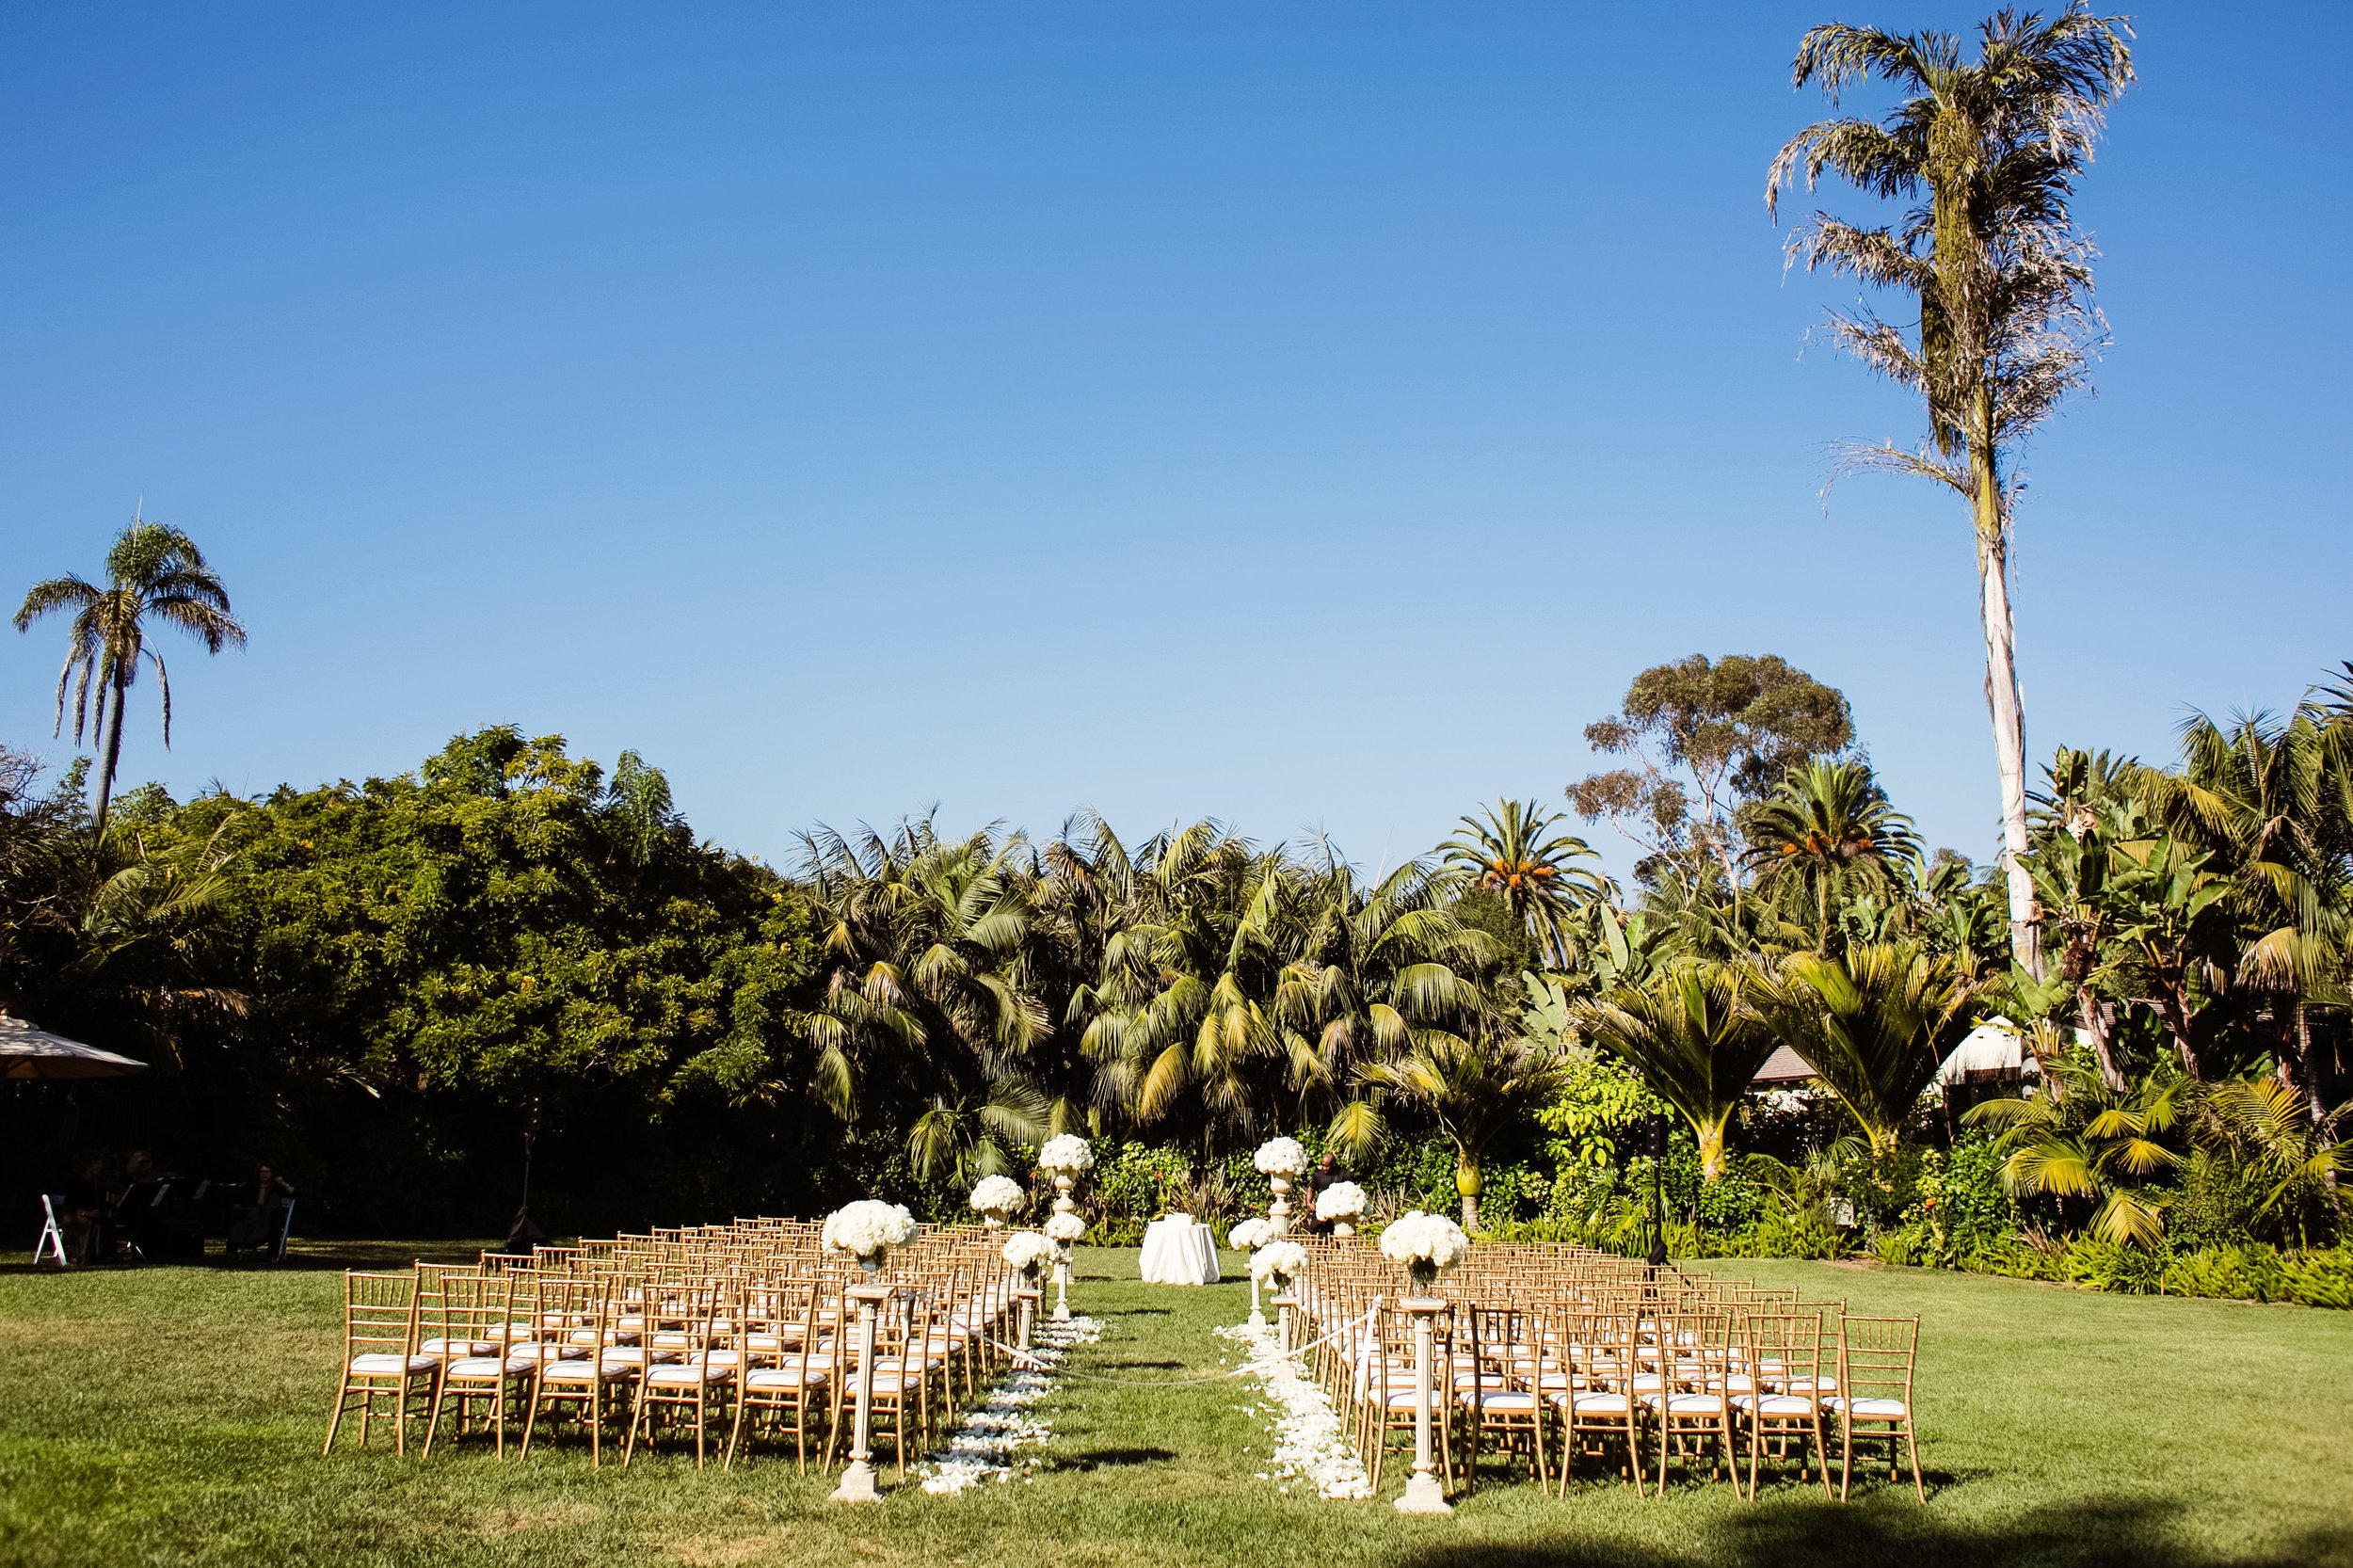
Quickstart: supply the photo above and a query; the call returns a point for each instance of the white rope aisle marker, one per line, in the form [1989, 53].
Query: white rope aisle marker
[985, 1442]
[1311, 1442]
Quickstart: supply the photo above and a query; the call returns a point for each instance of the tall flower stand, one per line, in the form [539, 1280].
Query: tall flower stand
[857, 1482]
[1423, 1494]
[1062, 1284]
[1026, 1297]
[1280, 1209]
[1258, 1316]
[1283, 1304]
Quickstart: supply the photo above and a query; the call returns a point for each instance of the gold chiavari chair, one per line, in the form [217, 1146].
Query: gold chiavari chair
[588, 1380]
[382, 1359]
[1783, 1406]
[472, 1321]
[1875, 1367]
[784, 1371]
[692, 1372]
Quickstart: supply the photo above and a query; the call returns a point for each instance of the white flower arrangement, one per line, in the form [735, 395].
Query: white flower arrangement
[1065, 1229]
[997, 1194]
[1028, 1251]
[1067, 1154]
[1427, 1244]
[1250, 1235]
[1278, 1261]
[868, 1229]
[1281, 1157]
[1342, 1200]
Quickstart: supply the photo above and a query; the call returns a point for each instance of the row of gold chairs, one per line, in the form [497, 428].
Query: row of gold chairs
[734, 1334]
[1556, 1356]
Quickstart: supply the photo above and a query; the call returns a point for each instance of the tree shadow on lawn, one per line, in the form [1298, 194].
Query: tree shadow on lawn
[1888, 1528]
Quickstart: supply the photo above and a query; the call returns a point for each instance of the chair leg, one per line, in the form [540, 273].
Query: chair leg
[342, 1397]
[1845, 1453]
[1913, 1443]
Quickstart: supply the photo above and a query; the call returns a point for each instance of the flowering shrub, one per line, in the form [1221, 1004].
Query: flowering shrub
[868, 1229]
[997, 1194]
[1028, 1251]
[1281, 1157]
[1067, 1154]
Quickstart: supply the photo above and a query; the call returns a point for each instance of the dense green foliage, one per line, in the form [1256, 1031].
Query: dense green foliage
[383, 986]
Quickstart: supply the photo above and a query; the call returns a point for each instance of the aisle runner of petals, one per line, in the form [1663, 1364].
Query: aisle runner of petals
[1311, 1442]
[984, 1444]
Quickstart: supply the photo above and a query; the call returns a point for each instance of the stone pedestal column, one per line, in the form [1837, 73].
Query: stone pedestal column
[1423, 1494]
[857, 1482]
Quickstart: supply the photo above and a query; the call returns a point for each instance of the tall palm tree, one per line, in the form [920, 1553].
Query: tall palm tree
[1513, 851]
[1985, 154]
[1874, 1023]
[1827, 832]
[1695, 1035]
[154, 573]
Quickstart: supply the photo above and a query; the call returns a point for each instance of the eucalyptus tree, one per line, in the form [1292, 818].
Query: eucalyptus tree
[1514, 853]
[1829, 832]
[1697, 1038]
[156, 575]
[1700, 738]
[1983, 153]
[927, 990]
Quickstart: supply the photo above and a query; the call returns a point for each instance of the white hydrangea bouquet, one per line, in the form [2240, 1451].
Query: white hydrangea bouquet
[1065, 1156]
[1341, 1206]
[1427, 1244]
[996, 1197]
[1280, 1261]
[867, 1230]
[1029, 1252]
[1250, 1235]
[1065, 1229]
[1281, 1157]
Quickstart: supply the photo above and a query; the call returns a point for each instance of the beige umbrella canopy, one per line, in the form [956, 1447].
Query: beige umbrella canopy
[26, 1052]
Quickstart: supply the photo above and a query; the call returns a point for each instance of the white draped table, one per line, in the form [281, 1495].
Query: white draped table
[1178, 1249]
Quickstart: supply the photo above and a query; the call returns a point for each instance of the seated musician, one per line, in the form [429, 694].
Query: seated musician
[255, 1223]
[88, 1236]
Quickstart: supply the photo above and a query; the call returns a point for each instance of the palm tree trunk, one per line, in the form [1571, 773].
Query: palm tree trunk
[2007, 712]
[110, 752]
[1468, 1184]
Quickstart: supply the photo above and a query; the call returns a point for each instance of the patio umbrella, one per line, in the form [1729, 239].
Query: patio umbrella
[26, 1052]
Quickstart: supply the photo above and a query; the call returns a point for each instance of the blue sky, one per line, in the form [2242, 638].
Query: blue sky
[1307, 414]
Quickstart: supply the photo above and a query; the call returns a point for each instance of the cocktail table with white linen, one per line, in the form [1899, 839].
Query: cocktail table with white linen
[1178, 1249]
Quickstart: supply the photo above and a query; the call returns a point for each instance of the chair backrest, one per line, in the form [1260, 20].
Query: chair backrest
[1875, 1357]
[379, 1313]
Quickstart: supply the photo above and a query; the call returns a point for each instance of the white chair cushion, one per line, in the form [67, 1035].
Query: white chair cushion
[1882, 1410]
[460, 1346]
[783, 1377]
[1502, 1399]
[1688, 1404]
[585, 1370]
[485, 1368]
[534, 1355]
[1776, 1404]
[1601, 1404]
[687, 1374]
[384, 1364]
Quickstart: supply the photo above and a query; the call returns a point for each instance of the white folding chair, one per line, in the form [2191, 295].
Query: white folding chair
[52, 1233]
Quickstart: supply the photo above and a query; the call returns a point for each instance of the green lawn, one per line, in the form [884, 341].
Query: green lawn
[173, 1416]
